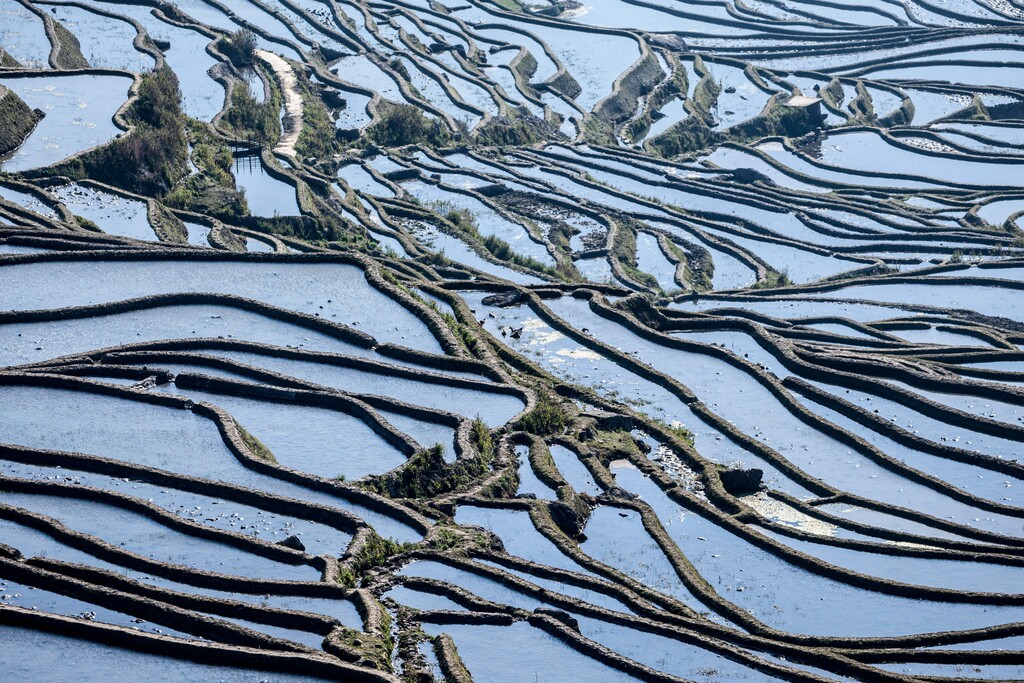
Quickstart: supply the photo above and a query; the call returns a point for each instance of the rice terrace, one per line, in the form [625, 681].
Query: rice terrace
[439, 341]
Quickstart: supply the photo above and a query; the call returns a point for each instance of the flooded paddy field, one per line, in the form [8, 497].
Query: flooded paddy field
[500, 341]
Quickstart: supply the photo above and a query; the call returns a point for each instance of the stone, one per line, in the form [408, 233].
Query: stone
[620, 493]
[504, 299]
[293, 542]
[567, 519]
[741, 482]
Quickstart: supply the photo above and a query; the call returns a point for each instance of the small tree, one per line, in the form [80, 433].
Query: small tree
[240, 48]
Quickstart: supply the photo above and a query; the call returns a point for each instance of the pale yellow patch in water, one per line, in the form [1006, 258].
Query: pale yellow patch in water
[777, 511]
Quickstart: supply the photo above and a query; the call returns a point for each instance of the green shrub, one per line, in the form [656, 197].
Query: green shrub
[153, 157]
[518, 129]
[159, 102]
[240, 47]
[251, 118]
[318, 138]
[427, 475]
[375, 552]
[774, 279]
[548, 417]
[481, 437]
[404, 124]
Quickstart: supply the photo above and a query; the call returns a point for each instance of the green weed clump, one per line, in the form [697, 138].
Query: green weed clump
[319, 137]
[774, 279]
[153, 157]
[211, 191]
[548, 417]
[518, 129]
[427, 475]
[240, 48]
[250, 118]
[255, 446]
[404, 124]
[482, 440]
[374, 553]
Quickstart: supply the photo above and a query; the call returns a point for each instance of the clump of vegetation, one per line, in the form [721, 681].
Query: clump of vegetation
[480, 435]
[398, 65]
[682, 433]
[676, 429]
[778, 119]
[519, 128]
[255, 446]
[319, 137]
[212, 157]
[87, 224]
[774, 279]
[445, 539]
[250, 118]
[240, 48]
[153, 157]
[502, 250]
[404, 124]
[464, 334]
[70, 54]
[7, 60]
[159, 102]
[211, 191]
[17, 119]
[548, 417]
[468, 339]
[427, 475]
[368, 649]
[374, 553]
[688, 135]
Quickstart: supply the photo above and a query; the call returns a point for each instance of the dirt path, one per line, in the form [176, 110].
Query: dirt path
[292, 123]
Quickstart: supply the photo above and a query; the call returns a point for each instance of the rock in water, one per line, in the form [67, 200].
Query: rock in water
[503, 299]
[741, 482]
[293, 542]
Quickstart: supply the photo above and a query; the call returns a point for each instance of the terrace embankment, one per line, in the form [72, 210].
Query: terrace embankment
[17, 120]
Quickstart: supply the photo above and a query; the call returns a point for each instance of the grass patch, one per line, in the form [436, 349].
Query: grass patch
[211, 191]
[548, 417]
[319, 137]
[774, 279]
[404, 124]
[17, 120]
[255, 446]
[375, 552]
[251, 119]
[427, 475]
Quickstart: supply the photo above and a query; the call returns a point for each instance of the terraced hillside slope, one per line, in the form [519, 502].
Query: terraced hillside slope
[422, 340]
